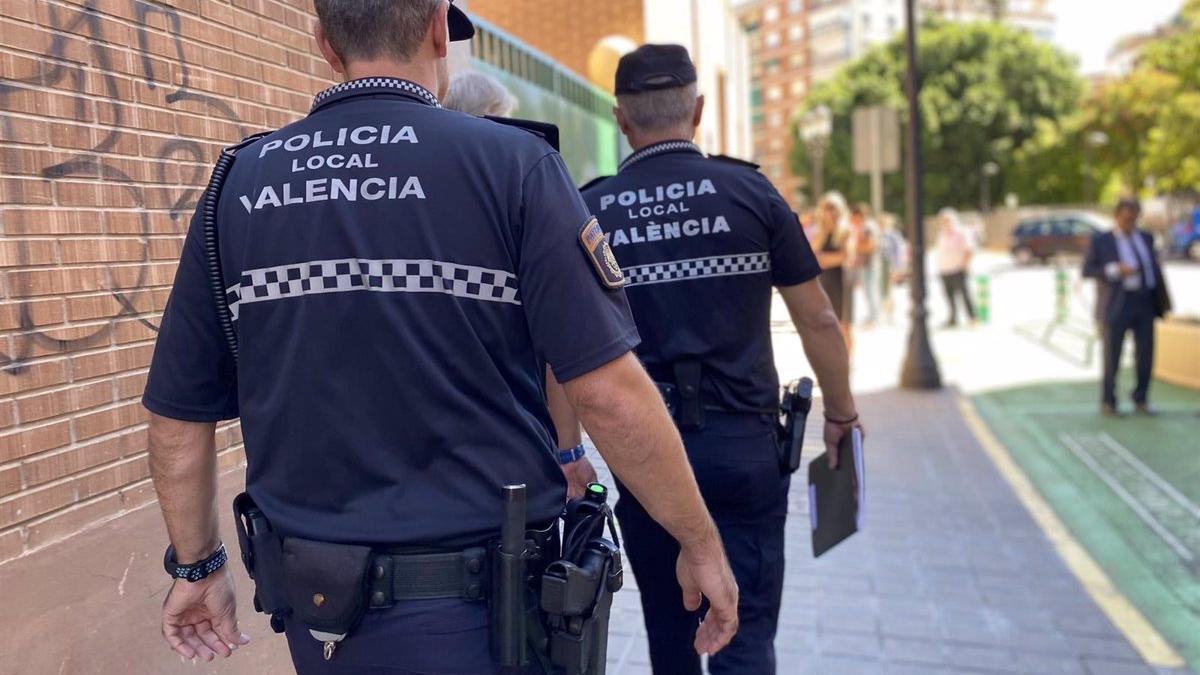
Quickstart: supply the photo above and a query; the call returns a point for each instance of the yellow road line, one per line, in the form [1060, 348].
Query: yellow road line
[1141, 634]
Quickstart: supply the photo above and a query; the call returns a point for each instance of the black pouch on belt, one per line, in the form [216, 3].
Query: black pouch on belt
[326, 585]
[691, 408]
[797, 401]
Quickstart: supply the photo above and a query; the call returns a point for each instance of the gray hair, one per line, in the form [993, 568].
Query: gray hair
[366, 29]
[660, 109]
[478, 94]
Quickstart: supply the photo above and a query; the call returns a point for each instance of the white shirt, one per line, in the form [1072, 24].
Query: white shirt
[1133, 252]
[954, 248]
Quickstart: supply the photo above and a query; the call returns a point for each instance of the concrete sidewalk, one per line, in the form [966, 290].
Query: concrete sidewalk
[951, 575]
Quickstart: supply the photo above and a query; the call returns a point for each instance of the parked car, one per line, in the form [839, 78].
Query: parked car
[1185, 237]
[1040, 239]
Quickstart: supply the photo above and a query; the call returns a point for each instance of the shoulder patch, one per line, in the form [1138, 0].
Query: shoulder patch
[734, 160]
[593, 182]
[595, 245]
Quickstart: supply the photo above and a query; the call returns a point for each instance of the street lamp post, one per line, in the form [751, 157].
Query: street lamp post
[1094, 140]
[920, 369]
[815, 129]
[988, 171]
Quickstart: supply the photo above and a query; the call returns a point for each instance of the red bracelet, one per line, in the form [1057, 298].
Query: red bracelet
[831, 420]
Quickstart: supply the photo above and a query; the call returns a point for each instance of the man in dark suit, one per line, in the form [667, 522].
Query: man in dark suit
[1131, 294]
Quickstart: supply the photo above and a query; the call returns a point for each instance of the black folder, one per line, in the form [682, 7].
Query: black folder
[836, 496]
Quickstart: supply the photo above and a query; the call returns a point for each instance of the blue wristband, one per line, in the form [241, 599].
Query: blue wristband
[571, 455]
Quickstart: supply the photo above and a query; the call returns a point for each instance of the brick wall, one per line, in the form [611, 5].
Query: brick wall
[567, 30]
[111, 114]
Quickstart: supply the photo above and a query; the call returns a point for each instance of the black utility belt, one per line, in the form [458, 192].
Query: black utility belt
[549, 595]
[684, 400]
[396, 575]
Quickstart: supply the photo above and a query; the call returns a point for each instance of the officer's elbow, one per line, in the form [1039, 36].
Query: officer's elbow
[607, 392]
[817, 320]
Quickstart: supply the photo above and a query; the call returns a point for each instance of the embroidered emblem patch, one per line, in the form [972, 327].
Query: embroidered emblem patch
[591, 237]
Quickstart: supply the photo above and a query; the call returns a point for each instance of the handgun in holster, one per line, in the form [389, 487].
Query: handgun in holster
[793, 412]
[577, 591]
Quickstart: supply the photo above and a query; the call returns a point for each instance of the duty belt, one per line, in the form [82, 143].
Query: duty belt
[400, 575]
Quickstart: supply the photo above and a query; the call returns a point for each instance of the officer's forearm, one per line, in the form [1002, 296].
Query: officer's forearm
[624, 415]
[183, 464]
[824, 344]
[566, 422]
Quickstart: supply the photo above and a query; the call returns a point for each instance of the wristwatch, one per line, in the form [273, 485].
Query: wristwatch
[571, 455]
[195, 571]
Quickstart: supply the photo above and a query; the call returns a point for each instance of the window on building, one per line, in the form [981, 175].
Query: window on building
[775, 93]
[771, 13]
[892, 23]
[796, 32]
[795, 6]
[866, 21]
[772, 39]
[796, 61]
[797, 88]
[775, 119]
[771, 66]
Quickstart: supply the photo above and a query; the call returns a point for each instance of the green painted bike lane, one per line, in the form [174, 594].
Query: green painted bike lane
[1129, 489]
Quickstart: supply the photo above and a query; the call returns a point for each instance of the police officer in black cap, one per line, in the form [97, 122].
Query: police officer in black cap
[376, 293]
[702, 241]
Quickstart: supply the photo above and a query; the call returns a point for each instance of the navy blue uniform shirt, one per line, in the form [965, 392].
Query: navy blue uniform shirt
[400, 275]
[702, 241]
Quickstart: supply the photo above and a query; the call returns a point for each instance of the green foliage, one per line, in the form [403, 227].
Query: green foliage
[1152, 115]
[989, 91]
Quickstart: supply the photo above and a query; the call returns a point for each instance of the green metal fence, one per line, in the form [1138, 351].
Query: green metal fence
[548, 92]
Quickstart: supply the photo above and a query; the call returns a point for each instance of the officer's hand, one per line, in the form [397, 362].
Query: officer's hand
[704, 571]
[200, 619]
[833, 437]
[579, 473]
[1126, 270]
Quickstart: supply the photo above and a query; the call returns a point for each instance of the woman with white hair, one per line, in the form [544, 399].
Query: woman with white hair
[955, 246]
[831, 243]
[477, 94]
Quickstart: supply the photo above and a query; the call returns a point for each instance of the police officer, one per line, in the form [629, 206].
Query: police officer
[702, 241]
[395, 278]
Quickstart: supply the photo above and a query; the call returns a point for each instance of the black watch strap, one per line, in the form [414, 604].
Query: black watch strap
[197, 570]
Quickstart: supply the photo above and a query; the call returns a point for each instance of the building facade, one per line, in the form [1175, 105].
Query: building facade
[590, 37]
[780, 76]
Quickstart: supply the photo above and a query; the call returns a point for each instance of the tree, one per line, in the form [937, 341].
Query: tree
[988, 90]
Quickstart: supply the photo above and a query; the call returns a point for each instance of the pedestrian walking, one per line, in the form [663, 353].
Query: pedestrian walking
[831, 244]
[955, 248]
[864, 235]
[893, 262]
[702, 255]
[478, 94]
[381, 332]
[1131, 294]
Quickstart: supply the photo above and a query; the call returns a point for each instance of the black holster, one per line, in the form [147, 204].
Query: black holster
[682, 395]
[262, 554]
[576, 593]
[793, 412]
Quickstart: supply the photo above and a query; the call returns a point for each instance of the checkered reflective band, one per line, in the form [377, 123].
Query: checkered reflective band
[658, 149]
[384, 276]
[377, 83]
[695, 268]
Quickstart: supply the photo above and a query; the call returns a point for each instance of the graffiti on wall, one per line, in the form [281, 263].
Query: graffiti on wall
[59, 72]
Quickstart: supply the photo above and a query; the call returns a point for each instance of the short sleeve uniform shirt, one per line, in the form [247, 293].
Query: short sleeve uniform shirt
[399, 276]
[701, 242]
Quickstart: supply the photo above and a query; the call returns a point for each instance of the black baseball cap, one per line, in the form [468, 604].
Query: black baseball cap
[459, 23]
[653, 67]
